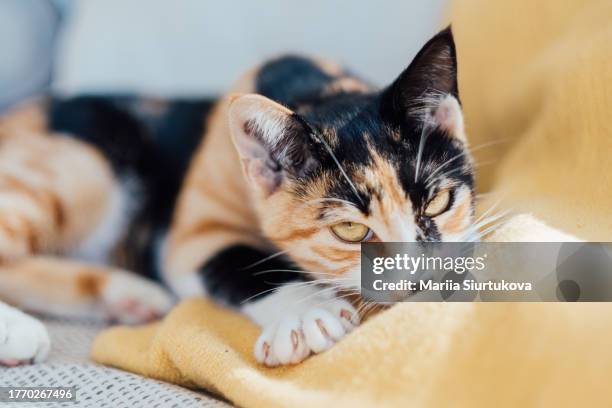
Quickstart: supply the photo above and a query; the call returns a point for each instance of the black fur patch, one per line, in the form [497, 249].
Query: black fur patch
[150, 146]
[157, 148]
[236, 274]
[291, 80]
[386, 121]
[122, 138]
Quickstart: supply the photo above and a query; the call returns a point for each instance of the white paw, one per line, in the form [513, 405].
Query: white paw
[296, 336]
[23, 339]
[130, 299]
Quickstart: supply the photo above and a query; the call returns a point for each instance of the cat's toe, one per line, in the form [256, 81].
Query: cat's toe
[130, 299]
[322, 329]
[282, 343]
[345, 312]
[264, 353]
[24, 339]
[289, 342]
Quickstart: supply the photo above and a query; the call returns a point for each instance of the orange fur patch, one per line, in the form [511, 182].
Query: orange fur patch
[209, 226]
[335, 254]
[90, 283]
[457, 220]
[346, 84]
[296, 234]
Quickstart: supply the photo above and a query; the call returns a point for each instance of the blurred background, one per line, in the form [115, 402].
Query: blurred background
[186, 48]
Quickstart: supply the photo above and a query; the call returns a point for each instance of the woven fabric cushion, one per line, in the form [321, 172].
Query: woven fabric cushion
[97, 386]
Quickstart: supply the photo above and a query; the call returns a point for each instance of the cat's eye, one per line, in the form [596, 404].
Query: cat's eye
[438, 204]
[352, 232]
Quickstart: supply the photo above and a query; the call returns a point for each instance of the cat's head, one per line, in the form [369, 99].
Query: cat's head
[382, 166]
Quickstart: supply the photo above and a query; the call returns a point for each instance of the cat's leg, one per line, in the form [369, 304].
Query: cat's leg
[23, 339]
[213, 252]
[297, 317]
[65, 287]
[53, 192]
[60, 196]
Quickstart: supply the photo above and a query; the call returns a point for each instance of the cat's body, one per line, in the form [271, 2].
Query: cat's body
[298, 165]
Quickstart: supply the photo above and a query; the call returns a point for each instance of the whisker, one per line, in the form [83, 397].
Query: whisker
[296, 284]
[321, 291]
[346, 177]
[371, 306]
[483, 215]
[486, 232]
[293, 271]
[365, 307]
[324, 199]
[346, 295]
[457, 156]
[316, 282]
[423, 139]
[328, 285]
[426, 104]
[460, 169]
[490, 219]
[475, 232]
[499, 217]
[275, 255]
[484, 164]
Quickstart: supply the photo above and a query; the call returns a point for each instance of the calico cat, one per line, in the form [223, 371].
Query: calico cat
[298, 165]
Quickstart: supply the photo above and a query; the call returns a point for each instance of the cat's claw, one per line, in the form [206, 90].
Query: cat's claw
[295, 336]
[130, 299]
[23, 339]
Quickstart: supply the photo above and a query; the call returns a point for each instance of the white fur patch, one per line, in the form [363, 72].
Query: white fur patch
[187, 285]
[121, 207]
[81, 310]
[298, 321]
[268, 118]
[448, 116]
[23, 339]
[527, 228]
[270, 123]
[131, 299]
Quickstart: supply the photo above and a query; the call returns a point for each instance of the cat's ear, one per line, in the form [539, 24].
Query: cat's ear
[427, 90]
[271, 140]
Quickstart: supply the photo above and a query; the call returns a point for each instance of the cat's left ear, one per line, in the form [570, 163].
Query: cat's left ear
[272, 142]
[427, 90]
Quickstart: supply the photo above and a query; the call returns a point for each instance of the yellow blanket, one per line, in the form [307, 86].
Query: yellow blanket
[537, 74]
[424, 355]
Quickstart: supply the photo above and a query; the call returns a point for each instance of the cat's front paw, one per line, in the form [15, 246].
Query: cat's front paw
[130, 299]
[296, 336]
[23, 339]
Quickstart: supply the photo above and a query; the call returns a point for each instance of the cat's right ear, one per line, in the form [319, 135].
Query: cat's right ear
[427, 89]
[271, 140]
